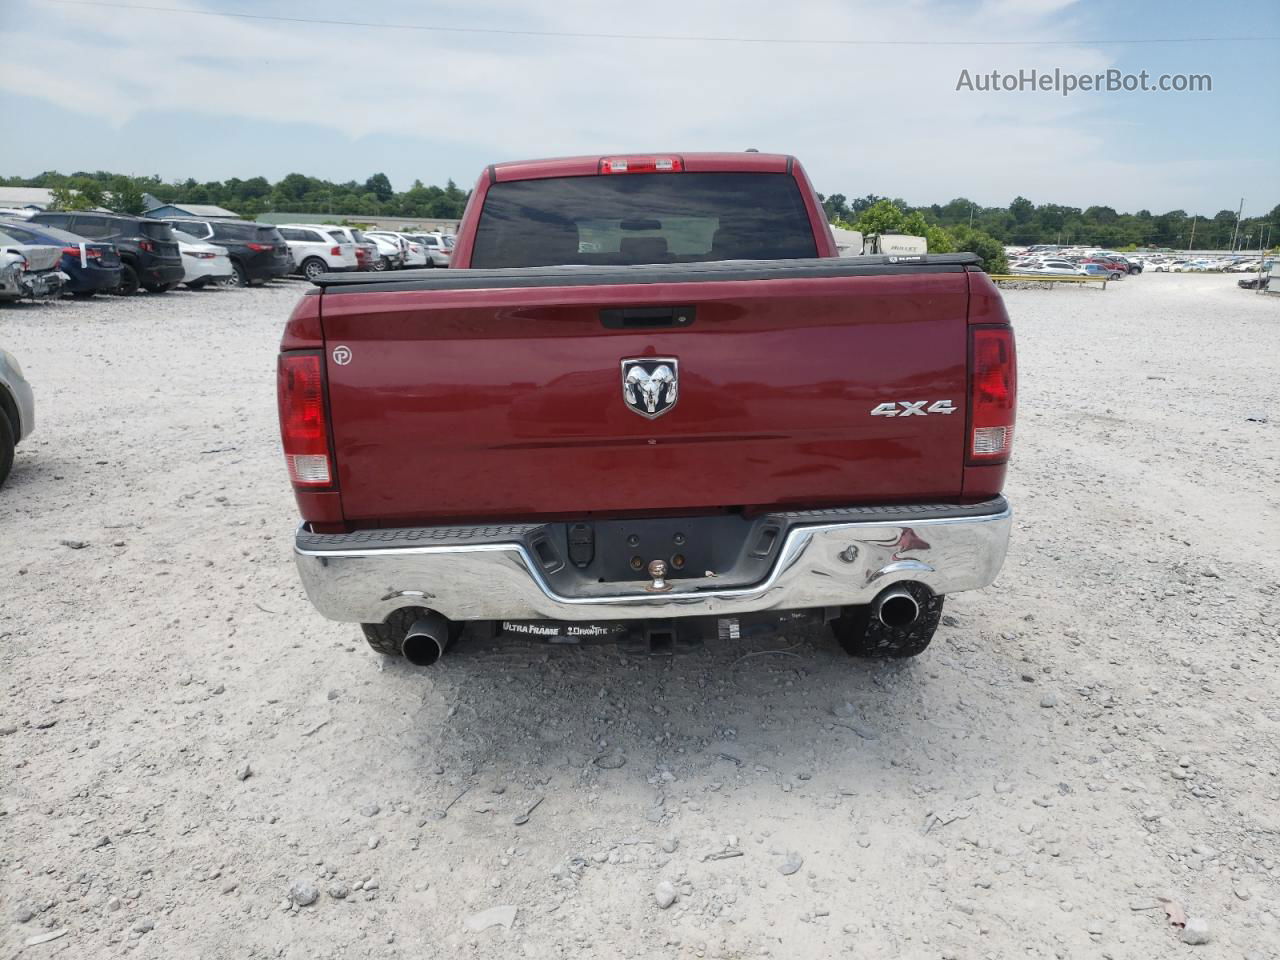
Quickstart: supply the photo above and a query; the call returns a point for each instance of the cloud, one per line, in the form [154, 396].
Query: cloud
[884, 119]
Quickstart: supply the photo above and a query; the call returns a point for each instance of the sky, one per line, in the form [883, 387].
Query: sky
[156, 87]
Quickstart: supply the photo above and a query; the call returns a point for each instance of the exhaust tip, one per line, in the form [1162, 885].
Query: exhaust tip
[421, 651]
[896, 608]
[426, 641]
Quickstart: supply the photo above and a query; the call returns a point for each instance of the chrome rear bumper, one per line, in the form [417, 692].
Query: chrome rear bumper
[828, 558]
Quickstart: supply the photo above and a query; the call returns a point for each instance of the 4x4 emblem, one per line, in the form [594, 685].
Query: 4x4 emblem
[912, 408]
[649, 385]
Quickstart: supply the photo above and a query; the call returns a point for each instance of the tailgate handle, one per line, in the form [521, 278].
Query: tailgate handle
[639, 318]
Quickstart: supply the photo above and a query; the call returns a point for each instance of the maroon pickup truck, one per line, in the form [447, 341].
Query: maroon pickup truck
[650, 405]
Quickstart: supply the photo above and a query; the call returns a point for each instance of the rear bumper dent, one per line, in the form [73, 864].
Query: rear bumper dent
[488, 573]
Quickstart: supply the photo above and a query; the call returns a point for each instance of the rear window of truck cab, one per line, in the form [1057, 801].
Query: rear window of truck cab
[643, 218]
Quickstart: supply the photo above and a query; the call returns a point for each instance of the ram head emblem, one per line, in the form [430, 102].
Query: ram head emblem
[649, 385]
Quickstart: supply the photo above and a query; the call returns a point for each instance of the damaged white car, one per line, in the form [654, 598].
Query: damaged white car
[29, 270]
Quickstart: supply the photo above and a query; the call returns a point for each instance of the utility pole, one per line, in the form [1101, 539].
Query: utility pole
[1236, 231]
[1192, 241]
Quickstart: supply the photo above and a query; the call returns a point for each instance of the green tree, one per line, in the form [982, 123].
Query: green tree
[125, 196]
[90, 191]
[257, 187]
[1101, 215]
[1022, 210]
[294, 187]
[380, 187]
[987, 247]
[836, 206]
[885, 216]
[68, 198]
[1219, 230]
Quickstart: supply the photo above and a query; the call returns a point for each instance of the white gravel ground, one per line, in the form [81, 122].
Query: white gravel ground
[1098, 730]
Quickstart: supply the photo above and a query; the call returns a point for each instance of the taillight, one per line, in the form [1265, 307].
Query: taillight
[72, 251]
[146, 246]
[260, 247]
[304, 421]
[993, 393]
[335, 252]
[641, 165]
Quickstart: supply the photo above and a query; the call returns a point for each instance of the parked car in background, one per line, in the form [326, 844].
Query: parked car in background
[29, 270]
[390, 254]
[366, 249]
[91, 266]
[17, 411]
[148, 252]
[415, 254]
[1113, 264]
[318, 250]
[1105, 268]
[366, 255]
[1258, 282]
[439, 247]
[388, 236]
[203, 263]
[1058, 268]
[258, 253]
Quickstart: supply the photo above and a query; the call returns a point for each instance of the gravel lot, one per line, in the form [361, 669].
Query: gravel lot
[1098, 730]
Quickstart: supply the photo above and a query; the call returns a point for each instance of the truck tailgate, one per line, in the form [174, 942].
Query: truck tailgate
[461, 399]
